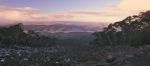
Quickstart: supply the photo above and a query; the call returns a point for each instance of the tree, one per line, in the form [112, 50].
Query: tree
[15, 35]
[133, 30]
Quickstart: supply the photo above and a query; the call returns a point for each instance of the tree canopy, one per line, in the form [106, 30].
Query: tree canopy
[16, 35]
[133, 30]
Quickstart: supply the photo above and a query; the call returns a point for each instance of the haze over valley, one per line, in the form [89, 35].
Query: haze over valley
[66, 27]
[74, 33]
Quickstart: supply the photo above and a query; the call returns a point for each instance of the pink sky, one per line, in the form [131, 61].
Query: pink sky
[109, 13]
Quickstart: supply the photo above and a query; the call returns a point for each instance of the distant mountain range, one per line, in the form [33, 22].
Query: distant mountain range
[65, 27]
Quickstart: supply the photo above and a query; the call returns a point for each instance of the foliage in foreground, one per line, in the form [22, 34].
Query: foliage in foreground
[133, 30]
[15, 35]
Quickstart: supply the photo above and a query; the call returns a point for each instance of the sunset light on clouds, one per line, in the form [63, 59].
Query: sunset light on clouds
[27, 11]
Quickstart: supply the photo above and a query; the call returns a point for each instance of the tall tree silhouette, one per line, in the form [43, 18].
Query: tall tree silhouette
[133, 30]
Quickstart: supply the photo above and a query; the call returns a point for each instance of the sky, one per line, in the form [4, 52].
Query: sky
[46, 11]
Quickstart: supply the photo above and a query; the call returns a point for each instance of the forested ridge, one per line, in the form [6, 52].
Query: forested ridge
[15, 35]
[122, 43]
[133, 30]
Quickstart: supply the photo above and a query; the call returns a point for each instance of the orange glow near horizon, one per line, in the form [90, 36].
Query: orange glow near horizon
[110, 13]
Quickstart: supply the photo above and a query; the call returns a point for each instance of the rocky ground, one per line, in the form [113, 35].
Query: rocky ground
[76, 56]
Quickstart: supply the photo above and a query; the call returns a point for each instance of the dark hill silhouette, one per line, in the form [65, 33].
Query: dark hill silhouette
[133, 30]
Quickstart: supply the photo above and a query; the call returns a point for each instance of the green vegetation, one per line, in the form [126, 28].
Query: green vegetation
[133, 30]
[119, 44]
[15, 35]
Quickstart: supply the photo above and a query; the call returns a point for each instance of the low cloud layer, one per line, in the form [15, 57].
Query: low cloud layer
[111, 13]
[29, 14]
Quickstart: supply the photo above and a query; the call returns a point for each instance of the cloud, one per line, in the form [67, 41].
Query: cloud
[83, 16]
[124, 8]
[29, 14]
[128, 7]
[110, 13]
[134, 5]
[26, 14]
